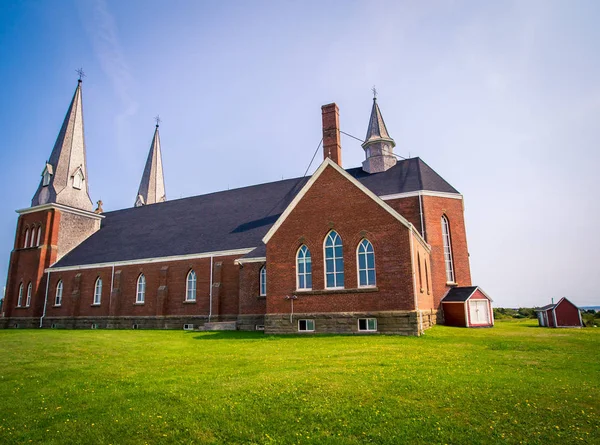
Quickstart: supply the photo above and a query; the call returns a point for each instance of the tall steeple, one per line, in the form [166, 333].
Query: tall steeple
[152, 185]
[64, 178]
[378, 145]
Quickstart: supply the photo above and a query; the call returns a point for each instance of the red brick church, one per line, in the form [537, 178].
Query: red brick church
[367, 249]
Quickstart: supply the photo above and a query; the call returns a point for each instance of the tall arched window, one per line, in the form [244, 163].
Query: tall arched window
[28, 301]
[263, 281]
[447, 250]
[190, 287]
[141, 289]
[426, 276]
[39, 236]
[32, 239]
[58, 297]
[334, 261]
[26, 243]
[98, 291]
[20, 299]
[303, 269]
[420, 273]
[366, 264]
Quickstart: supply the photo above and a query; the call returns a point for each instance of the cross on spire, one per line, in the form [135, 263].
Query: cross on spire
[374, 90]
[81, 74]
[157, 120]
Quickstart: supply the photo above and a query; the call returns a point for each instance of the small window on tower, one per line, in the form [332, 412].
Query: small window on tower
[78, 180]
[46, 175]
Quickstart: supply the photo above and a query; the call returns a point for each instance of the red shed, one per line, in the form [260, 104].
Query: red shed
[563, 314]
[467, 306]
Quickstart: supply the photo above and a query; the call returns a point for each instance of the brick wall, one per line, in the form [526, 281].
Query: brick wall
[333, 202]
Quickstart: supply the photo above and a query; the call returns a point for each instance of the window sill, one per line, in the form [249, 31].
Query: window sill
[189, 301]
[56, 305]
[262, 297]
[139, 304]
[451, 283]
[95, 304]
[357, 290]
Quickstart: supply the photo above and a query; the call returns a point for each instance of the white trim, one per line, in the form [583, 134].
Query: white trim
[421, 193]
[187, 286]
[163, 259]
[62, 207]
[554, 316]
[367, 320]
[307, 320]
[262, 280]
[258, 259]
[467, 312]
[335, 271]
[298, 288]
[358, 285]
[329, 163]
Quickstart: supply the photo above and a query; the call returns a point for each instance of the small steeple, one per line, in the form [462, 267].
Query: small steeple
[64, 178]
[152, 185]
[378, 145]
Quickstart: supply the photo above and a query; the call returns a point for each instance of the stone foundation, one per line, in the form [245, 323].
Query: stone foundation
[250, 322]
[393, 322]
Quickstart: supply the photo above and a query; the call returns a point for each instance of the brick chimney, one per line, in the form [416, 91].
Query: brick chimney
[332, 147]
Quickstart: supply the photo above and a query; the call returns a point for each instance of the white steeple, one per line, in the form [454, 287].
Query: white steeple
[378, 145]
[152, 185]
[64, 177]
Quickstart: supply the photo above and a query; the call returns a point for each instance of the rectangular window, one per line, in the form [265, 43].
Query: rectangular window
[306, 325]
[367, 324]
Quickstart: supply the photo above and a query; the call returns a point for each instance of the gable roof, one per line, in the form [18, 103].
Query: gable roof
[462, 294]
[554, 306]
[226, 220]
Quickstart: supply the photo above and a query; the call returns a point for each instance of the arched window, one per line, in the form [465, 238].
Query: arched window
[447, 250]
[32, 240]
[190, 288]
[141, 289]
[426, 276]
[58, 297]
[334, 261]
[263, 281]
[98, 291]
[28, 301]
[39, 236]
[26, 243]
[366, 264]
[420, 273]
[20, 300]
[303, 269]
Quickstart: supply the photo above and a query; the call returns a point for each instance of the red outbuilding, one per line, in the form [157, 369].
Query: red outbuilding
[563, 314]
[467, 306]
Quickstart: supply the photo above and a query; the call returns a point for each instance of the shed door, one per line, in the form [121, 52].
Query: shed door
[478, 311]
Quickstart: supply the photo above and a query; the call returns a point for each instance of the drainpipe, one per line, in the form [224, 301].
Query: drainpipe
[421, 215]
[292, 298]
[210, 290]
[112, 282]
[45, 299]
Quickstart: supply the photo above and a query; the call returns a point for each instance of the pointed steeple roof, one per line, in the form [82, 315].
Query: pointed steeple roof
[152, 185]
[377, 130]
[64, 177]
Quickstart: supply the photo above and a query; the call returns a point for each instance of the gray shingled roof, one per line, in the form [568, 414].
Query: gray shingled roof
[231, 219]
[459, 294]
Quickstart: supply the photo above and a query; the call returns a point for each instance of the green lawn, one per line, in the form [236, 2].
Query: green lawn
[513, 383]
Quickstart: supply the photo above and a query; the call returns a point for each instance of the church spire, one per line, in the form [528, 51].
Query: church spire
[378, 145]
[152, 185]
[64, 178]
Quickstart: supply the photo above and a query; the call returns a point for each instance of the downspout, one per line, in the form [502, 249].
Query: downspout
[45, 299]
[421, 215]
[414, 277]
[112, 282]
[210, 290]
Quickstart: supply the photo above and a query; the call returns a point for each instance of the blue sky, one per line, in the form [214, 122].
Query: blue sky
[501, 98]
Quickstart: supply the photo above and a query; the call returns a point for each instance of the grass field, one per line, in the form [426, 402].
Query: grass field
[515, 383]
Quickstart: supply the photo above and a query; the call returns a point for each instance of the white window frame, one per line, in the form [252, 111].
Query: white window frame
[78, 180]
[39, 236]
[140, 296]
[306, 321]
[447, 244]
[190, 286]
[46, 178]
[59, 292]
[98, 292]
[367, 268]
[305, 260]
[262, 281]
[29, 290]
[26, 238]
[334, 272]
[367, 320]
[20, 299]
[32, 239]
